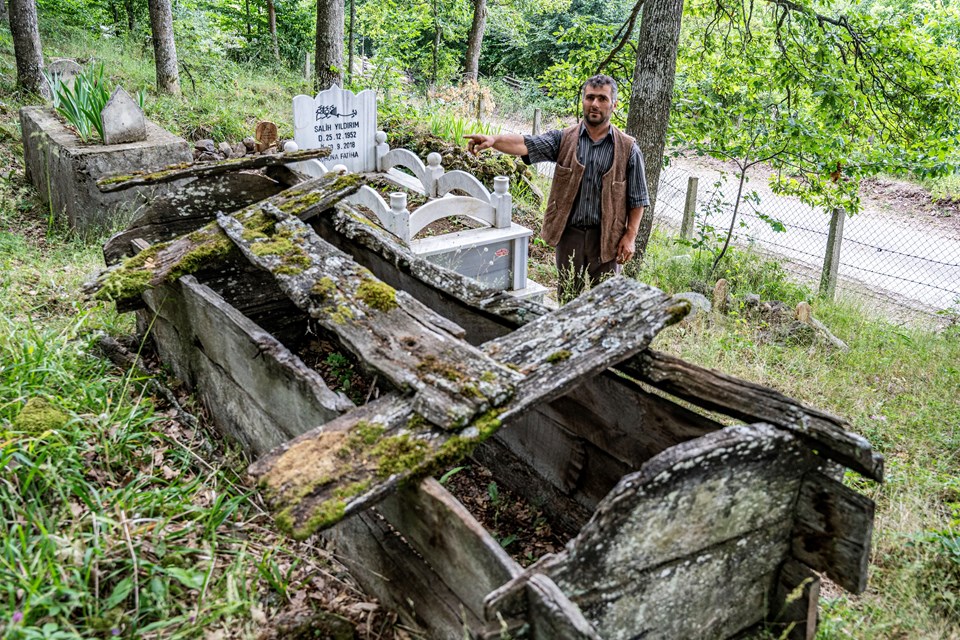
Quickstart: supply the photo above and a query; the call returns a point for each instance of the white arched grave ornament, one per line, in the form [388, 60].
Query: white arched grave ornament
[342, 121]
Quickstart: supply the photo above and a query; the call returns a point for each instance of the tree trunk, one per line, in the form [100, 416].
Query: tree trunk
[164, 48]
[436, 42]
[272, 17]
[652, 94]
[247, 17]
[351, 45]
[26, 46]
[131, 16]
[4, 16]
[329, 58]
[475, 41]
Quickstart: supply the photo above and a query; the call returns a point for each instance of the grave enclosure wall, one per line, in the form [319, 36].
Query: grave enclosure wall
[65, 170]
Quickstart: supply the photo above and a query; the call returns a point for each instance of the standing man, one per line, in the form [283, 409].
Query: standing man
[599, 189]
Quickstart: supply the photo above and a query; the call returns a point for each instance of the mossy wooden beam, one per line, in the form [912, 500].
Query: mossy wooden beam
[121, 182]
[452, 381]
[209, 246]
[712, 390]
[349, 464]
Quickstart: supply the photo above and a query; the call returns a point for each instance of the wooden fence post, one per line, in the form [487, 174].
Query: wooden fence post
[537, 114]
[689, 208]
[831, 258]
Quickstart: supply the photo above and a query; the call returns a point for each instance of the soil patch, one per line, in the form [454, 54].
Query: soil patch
[521, 528]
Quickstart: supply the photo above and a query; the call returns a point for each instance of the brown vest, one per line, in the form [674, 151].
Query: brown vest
[566, 186]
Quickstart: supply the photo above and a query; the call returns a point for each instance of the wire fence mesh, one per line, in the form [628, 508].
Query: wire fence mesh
[881, 255]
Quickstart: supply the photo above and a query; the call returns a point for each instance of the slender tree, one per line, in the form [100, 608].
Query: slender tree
[164, 47]
[3, 11]
[26, 46]
[329, 53]
[652, 94]
[131, 16]
[351, 43]
[475, 41]
[272, 18]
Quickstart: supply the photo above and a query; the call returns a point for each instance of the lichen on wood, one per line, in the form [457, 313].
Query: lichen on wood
[208, 246]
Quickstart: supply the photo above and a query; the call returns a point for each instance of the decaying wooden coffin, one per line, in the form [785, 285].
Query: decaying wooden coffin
[686, 529]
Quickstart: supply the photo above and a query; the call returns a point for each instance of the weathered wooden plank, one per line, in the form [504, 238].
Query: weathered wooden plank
[349, 464]
[110, 184]
[833, 528]
[740, 479]
[189, 208]
[793, 610]
[753, 402]
[624, 420]
[452, 380]
[712, 594]
[603, 326]
[463, 554]
[265, 393]
[208, 246]
[380, 560]
[552, 615]
[485, 314]
[703, 519]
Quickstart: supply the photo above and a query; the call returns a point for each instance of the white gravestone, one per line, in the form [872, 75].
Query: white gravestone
[123, 119]
[341, 121]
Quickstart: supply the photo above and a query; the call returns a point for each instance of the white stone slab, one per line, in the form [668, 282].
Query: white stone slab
[341, 121]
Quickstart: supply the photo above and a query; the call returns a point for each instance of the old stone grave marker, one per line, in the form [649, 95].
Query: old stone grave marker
[123, 119]
[266, 135]
[65, 69]
[342, 121]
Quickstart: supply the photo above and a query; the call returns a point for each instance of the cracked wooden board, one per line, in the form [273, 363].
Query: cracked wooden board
[452, 381]
[208, 246]
[347, 465]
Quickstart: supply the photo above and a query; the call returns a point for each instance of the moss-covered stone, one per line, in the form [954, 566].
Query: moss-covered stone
[38, 415]
[377, 295]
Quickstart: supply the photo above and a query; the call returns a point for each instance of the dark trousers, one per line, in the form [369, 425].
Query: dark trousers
[578, 262]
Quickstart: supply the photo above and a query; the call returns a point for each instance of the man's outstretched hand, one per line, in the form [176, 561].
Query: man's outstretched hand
[478, 142]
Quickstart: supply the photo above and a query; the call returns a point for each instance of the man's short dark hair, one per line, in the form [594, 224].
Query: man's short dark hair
[601, 80]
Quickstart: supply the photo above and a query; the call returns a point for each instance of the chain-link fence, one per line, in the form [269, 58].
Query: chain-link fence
[883, 255]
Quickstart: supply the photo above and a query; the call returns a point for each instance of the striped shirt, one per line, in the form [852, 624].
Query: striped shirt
[597, 158]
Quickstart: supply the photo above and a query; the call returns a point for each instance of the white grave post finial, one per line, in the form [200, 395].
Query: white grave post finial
[502, 202]
[434, 171]
[401, 217]
[341, 121]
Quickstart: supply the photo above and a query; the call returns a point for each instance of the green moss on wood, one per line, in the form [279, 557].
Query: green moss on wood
[558, 356]
[431, 365]
[377, 295]
[399, 454]
[324, 288]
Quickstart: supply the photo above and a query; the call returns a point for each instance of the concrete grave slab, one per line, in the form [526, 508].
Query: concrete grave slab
[65, 170]
[123, 119]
